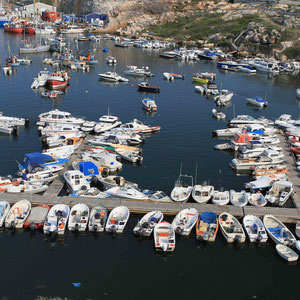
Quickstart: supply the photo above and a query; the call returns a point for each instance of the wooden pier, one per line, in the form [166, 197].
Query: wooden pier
[51, 197]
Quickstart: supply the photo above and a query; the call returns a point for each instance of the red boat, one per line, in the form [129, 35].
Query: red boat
[146, 87]
[30, 30]
[37, 217]
[13, 28]
[295, 150]
[58, 80]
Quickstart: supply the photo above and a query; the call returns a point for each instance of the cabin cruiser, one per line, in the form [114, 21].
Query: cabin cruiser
[244, 120]
[113, 77]
[107, 122]
[139, 72]
[13, 120]
[57, 116]
[58, 80]
[139, 127]
[128, 192]
[267, 67]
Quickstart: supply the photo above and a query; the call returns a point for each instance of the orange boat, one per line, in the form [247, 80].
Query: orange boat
[178, 76]
[5, 182]
[269, 172]
[37, 217]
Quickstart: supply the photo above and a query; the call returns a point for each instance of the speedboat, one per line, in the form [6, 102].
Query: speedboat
[238, 198]
[202, 193]
[168, 76]
[224, 97]
[115, 181]
[60, 129]
[14, 121]
[113, 77]
[149, 105]
[218, 114]
[263, 183]
[129, 155]
[37, 217]
[280, 192]
[79, 217]
[164, 237]
[146, 225]
[111, 60]
[4, 209]
[117, 219]
[88, 126]
[159, 196]
[18, 214]
[146, 87]
[245, 120]
[138, 127]
[257, 101]
[57, 219]
[98, 218]
[207, 226]
[182, 192]
[138, 72]
[231, 228]
[28, 188]
[220, 197]
[278, 232]
[185, 221]
[107, 122]
[128, 192]
[56, 116]
[255, 229]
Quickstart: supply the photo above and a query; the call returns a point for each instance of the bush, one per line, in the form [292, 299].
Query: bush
[292, 52]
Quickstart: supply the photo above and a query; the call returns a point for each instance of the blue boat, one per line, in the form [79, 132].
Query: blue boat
[207, 226]
[257, 101]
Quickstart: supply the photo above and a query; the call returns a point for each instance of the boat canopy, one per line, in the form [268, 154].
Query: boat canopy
[208, 217]
[34, 159]
[259, 131]
[242, 138]
[88, 168]
[260, 100]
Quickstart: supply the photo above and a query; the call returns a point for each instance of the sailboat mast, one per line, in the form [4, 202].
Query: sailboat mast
[196, 173]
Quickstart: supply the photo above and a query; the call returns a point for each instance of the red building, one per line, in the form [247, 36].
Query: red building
[49, 16]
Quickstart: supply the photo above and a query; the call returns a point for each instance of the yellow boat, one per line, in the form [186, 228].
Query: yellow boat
[200, 80]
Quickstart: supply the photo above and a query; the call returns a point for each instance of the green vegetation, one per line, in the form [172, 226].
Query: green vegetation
[293, 52]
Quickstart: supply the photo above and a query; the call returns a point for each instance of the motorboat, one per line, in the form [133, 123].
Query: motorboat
[202, 193]
[270, 171]
[7, 128]
[58, 80]
[245, 120]
[177, 76]
[138, 72]
[297, 229]
[287, 253]
[268, 151]
[227, 132]
[246, 69]
[223, 97]
[238, 198]
[111, 60]
[128, 192]
[231, 228]
[88, 169]
[139, 127]
[117, 219]
[41, 80]
[257, 101]
[218, 114]
[60, 130]
[14, 121]
[146, 225]
[37, 217]
[58, 117]
[61, 152]
[284, 121]
[182, 191]
[255, 229]
[28, 47]
[278, 232]
[149, 105]
[4, 209]
[263, 183]
[57, 219]
[35, 178]
[129, 155]
[168, 76]
[159, 196]
[164, 237]
[115, 181]
[240, 139]
[107, 122]
[88, 126]
[266, 67]
[146, 87]
[298, 93]
[207, 226]
[256, 148]
[185, 221]
[112, 77]
[98, 217]
[79, 217]
[18, 214]
[63, 141]
[280, 192]
[220, 197]
[28, 188]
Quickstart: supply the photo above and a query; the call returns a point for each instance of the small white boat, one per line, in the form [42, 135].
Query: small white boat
[257, 199]
[79, 217]
[280, 192]
[114, 181]
[164, 237]
[185, 221]
[88, 126]
[57, 219]
[4, 209]
[98, 217]
[129, 155]
[231, 228]
[277, 231]
[7, 70]
[220, 197]
[28, 187]
[18, 214]
[182, 192]
[238, 198]
[202, 193]
[149, 105]
[117, 219]
[287, 253]
[146, 225]
[168, 76]
[257, 101]
[218, 114]
[129, 192]
[246, 69]
[255, 229]
[111, 60]
[223, 98]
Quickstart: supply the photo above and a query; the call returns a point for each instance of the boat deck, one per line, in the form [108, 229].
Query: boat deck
[51, 197]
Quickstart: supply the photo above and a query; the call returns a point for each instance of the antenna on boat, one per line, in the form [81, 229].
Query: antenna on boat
[196, 173]
[233, 111]
[180, 168]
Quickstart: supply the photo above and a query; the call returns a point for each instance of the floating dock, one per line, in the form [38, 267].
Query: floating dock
[51, 197]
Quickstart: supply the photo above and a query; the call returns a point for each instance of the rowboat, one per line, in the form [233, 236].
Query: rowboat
[18, 214]
[287, 253]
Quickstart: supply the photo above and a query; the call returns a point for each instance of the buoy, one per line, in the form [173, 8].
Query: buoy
[86, 91]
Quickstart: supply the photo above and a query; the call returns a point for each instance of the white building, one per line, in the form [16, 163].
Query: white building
[26, 9]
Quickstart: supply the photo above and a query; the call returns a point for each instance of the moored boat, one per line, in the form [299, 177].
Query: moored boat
[185, 221]
[287, 253]
[255, 229]
[146, 225]
[98, 217]
[18, 214]
[79, 217]
[207, 226]
[164, 237]
[117, 219]
[37, 217]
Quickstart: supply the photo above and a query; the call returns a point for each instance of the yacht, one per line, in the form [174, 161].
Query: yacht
[57, 116]
[267, 67]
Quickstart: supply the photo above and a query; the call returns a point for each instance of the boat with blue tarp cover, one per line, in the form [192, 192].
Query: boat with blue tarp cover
[207, 226]
[258, 101]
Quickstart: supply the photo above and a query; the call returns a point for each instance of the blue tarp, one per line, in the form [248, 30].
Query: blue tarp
[259, 131]
[208, 217]
[259, 99]
[88, 168]
[35, 158]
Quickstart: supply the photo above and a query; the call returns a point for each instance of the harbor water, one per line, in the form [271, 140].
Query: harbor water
[111, 267]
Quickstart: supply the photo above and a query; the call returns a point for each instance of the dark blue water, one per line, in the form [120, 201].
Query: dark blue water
[124, 266]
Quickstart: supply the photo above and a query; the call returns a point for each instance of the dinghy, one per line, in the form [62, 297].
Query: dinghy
[231, 228]
[218, 114]
[18, 214]
[220, 197]
[182, 192]
[238, 198]
[117, 219]
[255, 229]
[278, 232]
[79, 217]
[257, 199]
[207, 227]
[168, 76]
[146, 225]
[202, 193]
[149, 105]
[287, 253]
[37, 217]
[4, 209]
[57, 219]
[164, 237]
[185, 221]
[98, 218]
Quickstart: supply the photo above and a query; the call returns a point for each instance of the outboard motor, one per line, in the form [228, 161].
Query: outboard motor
[114, 229]
[117, 179]
[32, 226]
[237, 238]
[179, 230]
[15, 130]
[76, 227]
[95, 228]
[27, 121]
[12, 225]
